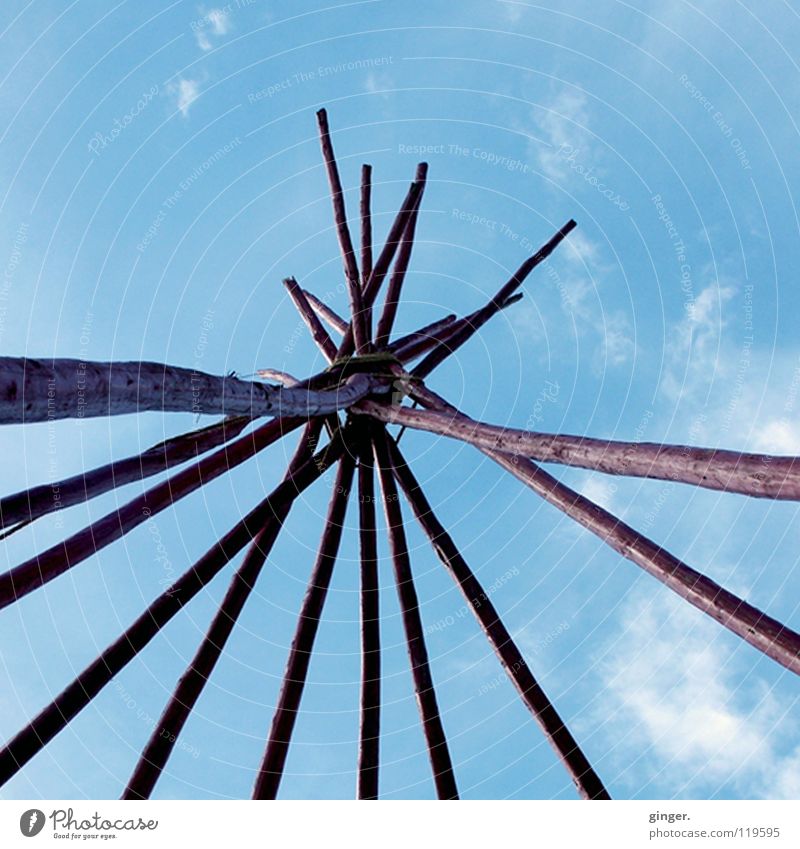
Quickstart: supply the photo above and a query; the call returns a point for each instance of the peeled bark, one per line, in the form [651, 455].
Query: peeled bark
[757, 475]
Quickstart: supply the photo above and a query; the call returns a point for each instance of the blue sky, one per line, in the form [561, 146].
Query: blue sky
[160, 174]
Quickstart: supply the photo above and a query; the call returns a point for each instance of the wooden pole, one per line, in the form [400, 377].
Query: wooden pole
[558, 735]
[47, 498]
[438, 751]
[370, 723]
[360, 331]
[386, 320]
[57, 715]
[190, 686]
[498, 302]
[271, 771]
[312, 322]
[366, 223]
[46, 390]
[756, 475]
[764, 633]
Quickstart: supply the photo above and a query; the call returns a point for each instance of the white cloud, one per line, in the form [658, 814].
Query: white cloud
[777, 436]
[674, 693]
[562, 122]
[214, 23]
[186, 92]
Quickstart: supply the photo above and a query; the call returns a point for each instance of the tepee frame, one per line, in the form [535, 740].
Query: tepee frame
[367, 378]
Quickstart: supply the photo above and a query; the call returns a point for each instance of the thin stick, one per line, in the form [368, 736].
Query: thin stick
[386, 320]
[497, 303]
[280, 735]
[366, 223]
[57, 715]
[312, 322]
[558, 735]
[415, 344]
[190, 686]
[333, 319]
[40, 500]
[762, 632]
[417, 652]
[360, 330]
[756, 475]
[370, 724]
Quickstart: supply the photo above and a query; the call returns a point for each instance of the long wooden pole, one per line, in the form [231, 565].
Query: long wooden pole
[34, 390]
[366, 223]
[382, 264]
[57, 715]
[438, 750]
[358, 320]
[558, 735]
[271, 770]
[756, 475]
[370, 702]
[764, 633]
[312, 322]
[47, 498]
[42, 568]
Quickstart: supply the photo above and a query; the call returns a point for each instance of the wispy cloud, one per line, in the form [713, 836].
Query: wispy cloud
[212, 24]
[186, 91]
[671, 691]
[561, 122]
